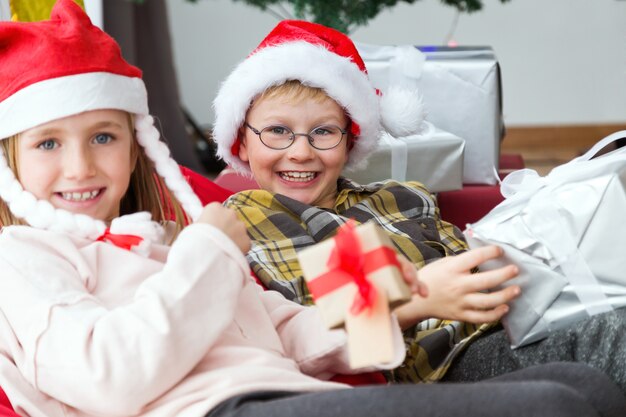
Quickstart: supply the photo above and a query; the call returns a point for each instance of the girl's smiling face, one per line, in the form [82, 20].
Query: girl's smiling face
[300, 171]
[80, 163]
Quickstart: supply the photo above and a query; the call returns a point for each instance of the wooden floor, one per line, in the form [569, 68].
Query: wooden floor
[545, 147]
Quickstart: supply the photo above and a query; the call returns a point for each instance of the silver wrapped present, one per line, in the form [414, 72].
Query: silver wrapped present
[566, 232]
[461, 91]
[434, 158]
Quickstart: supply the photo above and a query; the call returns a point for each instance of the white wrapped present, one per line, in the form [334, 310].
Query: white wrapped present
[434, 158]
[566, 232]
[461, 91]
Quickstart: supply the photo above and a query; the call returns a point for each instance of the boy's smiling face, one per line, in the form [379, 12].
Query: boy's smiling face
[80, 163]
[300, 171]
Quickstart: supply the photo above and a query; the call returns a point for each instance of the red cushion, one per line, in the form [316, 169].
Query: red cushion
[207, 190]
[230, 179]
[469, 204]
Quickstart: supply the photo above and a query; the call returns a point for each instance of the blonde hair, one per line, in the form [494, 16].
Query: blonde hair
[147, 190]
[295, 91]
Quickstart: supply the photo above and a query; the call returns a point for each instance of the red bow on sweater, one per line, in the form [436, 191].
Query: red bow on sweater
[122, 241]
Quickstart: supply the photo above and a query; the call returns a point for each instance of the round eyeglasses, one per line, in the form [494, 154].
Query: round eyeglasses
[281, 137]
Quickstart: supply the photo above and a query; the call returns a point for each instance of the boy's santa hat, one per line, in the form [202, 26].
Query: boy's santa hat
[318, 57]
[62, 67]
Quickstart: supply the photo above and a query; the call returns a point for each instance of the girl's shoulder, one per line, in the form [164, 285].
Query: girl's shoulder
[26, 242]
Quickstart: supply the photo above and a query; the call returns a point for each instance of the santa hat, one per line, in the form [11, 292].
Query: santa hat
[62, 67]
[318, 57]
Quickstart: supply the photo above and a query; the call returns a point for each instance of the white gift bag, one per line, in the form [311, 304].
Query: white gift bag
[567, 234]
[434, 158]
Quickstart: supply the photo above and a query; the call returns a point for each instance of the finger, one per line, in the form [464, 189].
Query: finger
[489, 301]
[422, 289]
[484, 316]
[487, 280]
[409, 273]
[474, 257]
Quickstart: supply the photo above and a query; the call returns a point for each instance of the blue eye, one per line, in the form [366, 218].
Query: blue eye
[278, 130]
[321, 131]
[102, 138]
[47, 145]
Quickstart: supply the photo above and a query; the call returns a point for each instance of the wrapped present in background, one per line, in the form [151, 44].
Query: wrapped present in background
[434, 158]
[566, 232]
[461, 91]
[354, 278]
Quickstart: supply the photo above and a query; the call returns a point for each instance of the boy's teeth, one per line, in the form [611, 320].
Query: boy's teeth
[87, 195]
[297, 176]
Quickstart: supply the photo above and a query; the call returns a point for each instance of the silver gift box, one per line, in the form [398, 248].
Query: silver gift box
[566, 233]
[434, 158]
[461, 90]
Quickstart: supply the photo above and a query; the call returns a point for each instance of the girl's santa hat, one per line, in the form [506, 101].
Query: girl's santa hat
[318, 57]
[62, 67]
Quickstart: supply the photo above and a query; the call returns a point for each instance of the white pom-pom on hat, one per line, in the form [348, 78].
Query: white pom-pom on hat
[402, 111]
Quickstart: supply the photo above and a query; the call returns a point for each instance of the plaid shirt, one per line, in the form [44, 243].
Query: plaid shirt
[279, 227]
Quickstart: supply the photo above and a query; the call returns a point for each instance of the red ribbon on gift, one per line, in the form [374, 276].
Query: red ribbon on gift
[122, 241]
[347, 263]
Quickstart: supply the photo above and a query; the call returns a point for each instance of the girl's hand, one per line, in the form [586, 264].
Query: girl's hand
[226, 220]
[457, 294]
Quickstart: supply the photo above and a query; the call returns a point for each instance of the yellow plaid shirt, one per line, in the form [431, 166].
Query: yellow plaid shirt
[279, 227]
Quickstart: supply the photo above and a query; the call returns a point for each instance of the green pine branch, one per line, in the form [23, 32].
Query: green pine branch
[343, 15]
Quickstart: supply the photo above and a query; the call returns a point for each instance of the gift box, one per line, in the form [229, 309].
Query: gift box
[354, 279]
[461, 90]
[434, 158]
[566, 233]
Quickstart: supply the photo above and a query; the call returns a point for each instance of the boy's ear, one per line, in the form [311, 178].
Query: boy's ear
[349, 145]
[243, 149]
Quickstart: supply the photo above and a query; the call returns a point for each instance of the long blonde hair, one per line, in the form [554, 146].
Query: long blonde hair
[147, 190]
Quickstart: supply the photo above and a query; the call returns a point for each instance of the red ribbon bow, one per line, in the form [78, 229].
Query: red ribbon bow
[122, 241]
[347, 263]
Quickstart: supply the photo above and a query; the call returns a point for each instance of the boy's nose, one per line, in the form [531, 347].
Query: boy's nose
[301, 149]
[79, 163]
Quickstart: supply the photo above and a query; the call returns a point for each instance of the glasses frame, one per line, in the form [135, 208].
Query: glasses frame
[293, 135]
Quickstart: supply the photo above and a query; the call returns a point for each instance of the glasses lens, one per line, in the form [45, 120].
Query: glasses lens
[276, 136]
[326, 137]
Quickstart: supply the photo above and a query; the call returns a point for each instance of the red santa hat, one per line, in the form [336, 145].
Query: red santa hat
[318, 57]
[62, 67]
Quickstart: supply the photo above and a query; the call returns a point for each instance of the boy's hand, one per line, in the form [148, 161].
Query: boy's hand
[226, 220]
[457, 294]
[409, 273]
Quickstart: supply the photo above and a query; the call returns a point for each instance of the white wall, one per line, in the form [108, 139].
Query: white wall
[563, 61]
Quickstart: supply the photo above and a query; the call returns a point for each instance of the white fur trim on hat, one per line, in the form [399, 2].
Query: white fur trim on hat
[56, 98]
[312, 65]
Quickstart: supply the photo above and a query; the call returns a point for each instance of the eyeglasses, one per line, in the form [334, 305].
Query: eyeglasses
[281, 137]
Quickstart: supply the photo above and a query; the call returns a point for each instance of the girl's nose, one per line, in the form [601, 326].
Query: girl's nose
[79, 163]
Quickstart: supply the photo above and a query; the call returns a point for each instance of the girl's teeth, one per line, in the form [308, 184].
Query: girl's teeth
[87, 195]
[297, 176]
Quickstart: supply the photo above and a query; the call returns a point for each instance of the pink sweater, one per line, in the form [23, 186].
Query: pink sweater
[89, 329]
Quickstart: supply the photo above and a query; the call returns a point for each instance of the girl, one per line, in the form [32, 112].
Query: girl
[100, 316]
